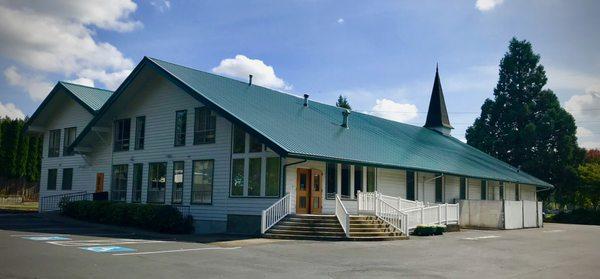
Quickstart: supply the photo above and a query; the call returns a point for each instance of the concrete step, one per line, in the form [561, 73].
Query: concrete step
[308, 228]
[296, 232]
[309, 224]
[305, 237]
[379, 233]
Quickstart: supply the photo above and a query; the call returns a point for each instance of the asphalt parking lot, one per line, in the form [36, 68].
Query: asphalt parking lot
[34, 246]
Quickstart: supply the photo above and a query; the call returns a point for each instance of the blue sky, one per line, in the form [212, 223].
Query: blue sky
[382, 55]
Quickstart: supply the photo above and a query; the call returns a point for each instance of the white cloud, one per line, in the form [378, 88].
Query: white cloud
[57, 37]
[36, 86]
[161, 5]
[11, 111]
[340, 20]
[583, 132]
[83, 81]
[487, 5]
[394, 111]
[585, 105]
[241, 66]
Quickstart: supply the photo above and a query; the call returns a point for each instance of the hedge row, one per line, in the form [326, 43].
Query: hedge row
[425, 230]
[577, 216]
[160, 218]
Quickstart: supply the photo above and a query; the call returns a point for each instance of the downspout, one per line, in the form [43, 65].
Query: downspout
[285, 171]
[427, 180]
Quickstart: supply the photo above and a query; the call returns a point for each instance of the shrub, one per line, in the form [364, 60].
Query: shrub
[160, 218]
[426, 230]
[577, 216]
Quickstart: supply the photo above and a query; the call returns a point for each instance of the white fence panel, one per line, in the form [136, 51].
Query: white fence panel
[540, 216]
[513, 215]
[530, 214]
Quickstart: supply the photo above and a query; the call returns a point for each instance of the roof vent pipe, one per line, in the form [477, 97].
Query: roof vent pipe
[249, 79]
[345, 113]
[306, 100]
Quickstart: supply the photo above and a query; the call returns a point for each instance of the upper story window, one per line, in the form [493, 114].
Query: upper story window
[255, 170]
[70, 134]
[180, 127]
[140, 132]
[205, 124]
[54, 143]
[121, 134]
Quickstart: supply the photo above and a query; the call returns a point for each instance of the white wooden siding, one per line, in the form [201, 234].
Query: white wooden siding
[474, 189]
[451, 188]
[391, 182]
[509, 191]
[426, 186]
[528, 192]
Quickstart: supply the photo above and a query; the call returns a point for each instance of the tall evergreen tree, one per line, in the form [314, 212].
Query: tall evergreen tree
[342, 102]
[34, 158]
[524, 125]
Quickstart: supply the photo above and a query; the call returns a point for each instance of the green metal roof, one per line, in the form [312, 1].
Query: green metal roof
[92, 97]
[315, 132]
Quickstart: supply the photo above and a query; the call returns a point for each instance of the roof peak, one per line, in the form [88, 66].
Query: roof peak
[437, 114]
[81, 85]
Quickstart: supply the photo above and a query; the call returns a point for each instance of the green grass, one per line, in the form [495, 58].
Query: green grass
[26, 206]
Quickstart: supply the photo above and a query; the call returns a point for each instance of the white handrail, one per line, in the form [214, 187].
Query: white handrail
[436, 214]
[366, 202]
[275, 213]
[391, 215]
[342, 215]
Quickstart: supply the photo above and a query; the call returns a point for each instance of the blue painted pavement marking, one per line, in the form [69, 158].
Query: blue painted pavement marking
[47, 238]
[108, 249]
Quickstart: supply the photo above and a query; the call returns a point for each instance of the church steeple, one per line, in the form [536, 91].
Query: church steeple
[437, 115]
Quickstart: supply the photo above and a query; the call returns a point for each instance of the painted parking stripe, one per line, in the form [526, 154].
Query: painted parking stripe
[481, 237]
[176, 251]
[46, 238]
[553, 231]
[108, 249]
[96, 242]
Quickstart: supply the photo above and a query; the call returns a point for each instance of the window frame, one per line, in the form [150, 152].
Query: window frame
[180, 130]
[68, 141]
[70, 184]
[245, 157]
[439, 188]
[157, 164]
[211, 120]
[140, 133]
[55, 171]
[113, 183]
[212, 181]
[484, 190]
[462, 190]
[134, 179]
[173, 183]
[54, 143]
[120, 131]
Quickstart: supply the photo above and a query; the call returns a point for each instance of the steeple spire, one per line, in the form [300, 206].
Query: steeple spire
[437, 115]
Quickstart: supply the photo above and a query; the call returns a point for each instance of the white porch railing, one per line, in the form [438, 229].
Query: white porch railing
[391, 215]
[342, 215]
[275, 213]
[404, 214]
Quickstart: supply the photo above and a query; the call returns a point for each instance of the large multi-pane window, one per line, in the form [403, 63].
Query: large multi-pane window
[410, 185]
[136, 189]
[483, 190]
[51, 179]
[70, 134]
[463, 188]
[345, 192]
[205, 124]
[118, 187]
[140, 132]
[180, 127]
[157, 181]
[255, 169]
[439, 192]
[331, 171]
[202, 181]
[273, 176]
[370, 179]
[67, 179]
[178, 181]
[121, 134]
[54, 143]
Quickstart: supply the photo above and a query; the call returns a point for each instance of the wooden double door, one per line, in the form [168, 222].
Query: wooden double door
[309, 191]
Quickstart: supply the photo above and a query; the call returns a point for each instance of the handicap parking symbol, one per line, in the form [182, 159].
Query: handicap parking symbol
[108, 249]
[47, 238]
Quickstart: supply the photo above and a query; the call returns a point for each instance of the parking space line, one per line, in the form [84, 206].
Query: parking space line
[481, 237]
[176, 251]
[96, 242]
[553, 231]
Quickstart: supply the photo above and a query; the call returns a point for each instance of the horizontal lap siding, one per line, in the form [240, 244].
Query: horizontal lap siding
[451, 188]
[474, 190]
[509, 191]
[426, 187]
[70, 114]
[528, 193]
[391, 182]
[493, 190]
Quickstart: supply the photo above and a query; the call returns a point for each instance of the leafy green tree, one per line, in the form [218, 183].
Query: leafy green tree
[342, 102]
[589, 175]
[524, 125]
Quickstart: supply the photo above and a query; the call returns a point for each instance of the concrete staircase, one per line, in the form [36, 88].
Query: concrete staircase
[327, 227]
